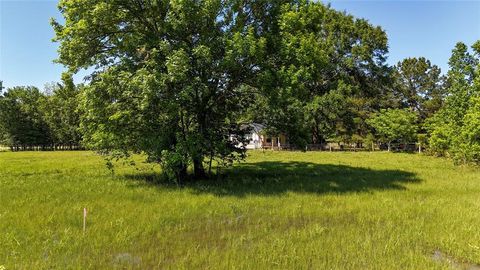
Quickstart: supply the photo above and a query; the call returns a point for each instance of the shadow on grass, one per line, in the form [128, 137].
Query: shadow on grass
[276, 178]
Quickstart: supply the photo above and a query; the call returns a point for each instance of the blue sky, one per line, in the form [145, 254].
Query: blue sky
[414, 28]
[420, 28]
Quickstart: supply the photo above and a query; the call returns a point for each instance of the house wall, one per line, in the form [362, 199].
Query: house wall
[255, 141]
[258, 141]
[278, 141]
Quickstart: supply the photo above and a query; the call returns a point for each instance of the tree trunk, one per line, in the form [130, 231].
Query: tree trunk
[198, 169]
[388, 146]
[210, 165]
[182, 174]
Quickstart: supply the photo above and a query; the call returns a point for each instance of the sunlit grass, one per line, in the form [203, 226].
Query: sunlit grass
[278, 210]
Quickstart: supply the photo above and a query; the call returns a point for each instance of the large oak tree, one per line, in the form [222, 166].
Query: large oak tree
[171, 77]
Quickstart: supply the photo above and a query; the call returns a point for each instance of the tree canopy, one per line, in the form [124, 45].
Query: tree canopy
[394, 124]
[419, 86]
[21, 118]
[172, 76]
[458, 113]
[325, 63]
[30, 118]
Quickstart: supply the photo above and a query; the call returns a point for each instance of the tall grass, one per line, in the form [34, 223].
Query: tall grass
[277, 210]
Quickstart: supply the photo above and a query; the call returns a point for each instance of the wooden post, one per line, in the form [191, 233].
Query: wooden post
[84, 219]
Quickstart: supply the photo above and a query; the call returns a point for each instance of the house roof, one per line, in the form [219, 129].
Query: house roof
[255, 127]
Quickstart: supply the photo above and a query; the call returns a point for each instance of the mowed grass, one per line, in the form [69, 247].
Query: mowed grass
[277, 210]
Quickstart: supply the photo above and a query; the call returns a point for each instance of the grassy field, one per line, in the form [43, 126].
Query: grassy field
[277, 210]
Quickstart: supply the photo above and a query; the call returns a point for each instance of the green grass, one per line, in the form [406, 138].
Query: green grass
[277, 210]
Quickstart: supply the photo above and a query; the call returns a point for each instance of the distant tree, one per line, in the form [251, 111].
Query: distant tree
[465, 145]
[3, 132]
[469, 135]
[440, 136]
[61, 112]
[443, 127]
[394, 124]
[460, 82]
[418, 85]
[325, 113]
[22, 119]
[316, 54]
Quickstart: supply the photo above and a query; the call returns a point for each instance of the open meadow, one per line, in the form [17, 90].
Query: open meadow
[277, 210]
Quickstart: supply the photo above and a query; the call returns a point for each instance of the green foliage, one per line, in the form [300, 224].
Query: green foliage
[22, 119]
[369, 141]
[460, 86]
[422, 138]
[440, 134]
[173, 77]
[3, 131]
[418, 86]
[469, 136]
[394, 124]
[31, 119]
[61, 113]
[326, 113]
[321, 61]
[452, 129]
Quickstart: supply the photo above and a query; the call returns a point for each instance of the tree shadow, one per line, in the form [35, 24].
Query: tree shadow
[275, 178]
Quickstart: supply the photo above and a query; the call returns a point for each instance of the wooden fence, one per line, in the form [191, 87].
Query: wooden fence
[49, 147]
[409, 147]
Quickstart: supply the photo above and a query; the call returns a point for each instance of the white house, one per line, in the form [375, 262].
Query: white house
[255, 138]
[259, 140]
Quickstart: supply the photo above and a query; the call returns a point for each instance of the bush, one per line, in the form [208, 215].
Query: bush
[468, 139]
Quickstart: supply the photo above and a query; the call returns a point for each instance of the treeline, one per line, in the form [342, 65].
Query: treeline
[328, 81]
[178, 84]
[31, 119]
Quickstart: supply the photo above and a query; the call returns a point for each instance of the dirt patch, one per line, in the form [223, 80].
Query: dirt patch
[127, 260]
[441, 257]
